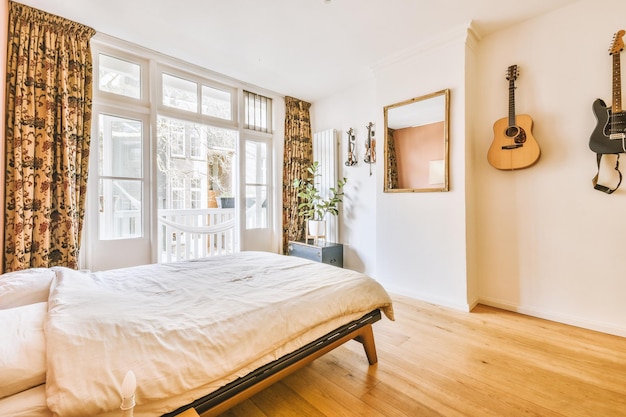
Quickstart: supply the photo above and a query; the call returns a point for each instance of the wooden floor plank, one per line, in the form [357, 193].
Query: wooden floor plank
[437, 362]
[329, 396]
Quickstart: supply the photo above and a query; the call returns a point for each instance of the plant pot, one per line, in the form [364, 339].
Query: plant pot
[317, 228]
[227, 202]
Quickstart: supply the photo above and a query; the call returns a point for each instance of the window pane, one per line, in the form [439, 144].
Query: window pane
[177, 139]
[196, 145]
[257, 112]
[120, 147]
[120, 209]
[119, 77]
[216, 103]
[256, 185]
[178, 195]
[256, 161]
[180, 93]
[196, 193]
[186, 181]
[256, 207]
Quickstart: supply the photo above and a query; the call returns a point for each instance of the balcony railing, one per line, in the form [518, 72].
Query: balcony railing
[195, 233]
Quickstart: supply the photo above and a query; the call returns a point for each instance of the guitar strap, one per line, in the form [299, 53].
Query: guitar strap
[604, 188]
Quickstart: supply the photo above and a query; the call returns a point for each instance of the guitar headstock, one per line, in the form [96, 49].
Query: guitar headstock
[512, 72]
[617, 44]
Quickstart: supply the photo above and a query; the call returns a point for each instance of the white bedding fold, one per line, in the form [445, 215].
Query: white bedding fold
[185, 327]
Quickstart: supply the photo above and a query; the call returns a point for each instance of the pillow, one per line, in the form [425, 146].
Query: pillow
[27, 403]
[22, 348]
[29, 286]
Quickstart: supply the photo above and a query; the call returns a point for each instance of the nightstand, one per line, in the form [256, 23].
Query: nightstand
[325, 252]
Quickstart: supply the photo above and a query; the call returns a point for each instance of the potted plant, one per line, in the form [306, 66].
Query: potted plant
[313, 207]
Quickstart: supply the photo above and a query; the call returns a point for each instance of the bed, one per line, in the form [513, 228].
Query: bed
[201, 334]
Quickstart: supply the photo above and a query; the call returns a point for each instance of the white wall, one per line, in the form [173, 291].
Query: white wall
[421, 249]
[415, 241]
[541, 240]
[550, 245]
[354, 108]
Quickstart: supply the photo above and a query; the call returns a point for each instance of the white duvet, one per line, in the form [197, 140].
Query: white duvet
[185, 329]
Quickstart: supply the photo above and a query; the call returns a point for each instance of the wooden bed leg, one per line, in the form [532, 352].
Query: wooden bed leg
[366, 338]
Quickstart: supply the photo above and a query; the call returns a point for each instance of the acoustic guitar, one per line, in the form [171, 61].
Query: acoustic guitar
[513, 146]
[609, 135]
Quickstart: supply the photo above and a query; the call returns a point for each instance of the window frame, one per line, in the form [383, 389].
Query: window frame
[197, 116]
[144, 178]
[269, 112]
[152, 64]
[113, 98]
[257, 138]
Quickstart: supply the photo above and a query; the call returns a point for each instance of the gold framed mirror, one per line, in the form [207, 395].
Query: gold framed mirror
[416, 144]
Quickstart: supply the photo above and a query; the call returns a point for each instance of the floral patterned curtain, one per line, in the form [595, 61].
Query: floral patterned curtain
[392, 163]
[48, 131]
[298, 156]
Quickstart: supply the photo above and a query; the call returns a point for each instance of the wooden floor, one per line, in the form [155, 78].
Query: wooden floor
[434, 361]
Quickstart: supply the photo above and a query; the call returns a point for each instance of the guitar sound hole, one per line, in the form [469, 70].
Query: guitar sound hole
[512, 131]
[517, 133]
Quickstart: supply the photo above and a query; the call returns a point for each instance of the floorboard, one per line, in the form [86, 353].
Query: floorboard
[434, 361]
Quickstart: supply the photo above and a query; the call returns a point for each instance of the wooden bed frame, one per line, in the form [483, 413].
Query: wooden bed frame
[242, 388]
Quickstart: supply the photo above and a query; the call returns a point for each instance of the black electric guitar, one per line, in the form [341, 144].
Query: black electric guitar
[513, 146]
[609, 136]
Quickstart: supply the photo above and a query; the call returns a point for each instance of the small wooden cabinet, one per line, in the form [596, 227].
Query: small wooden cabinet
[325, 252]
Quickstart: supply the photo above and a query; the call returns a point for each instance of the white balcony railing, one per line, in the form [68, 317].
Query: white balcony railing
[195, 233]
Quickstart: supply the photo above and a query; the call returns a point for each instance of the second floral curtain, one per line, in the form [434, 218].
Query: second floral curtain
[298, 156]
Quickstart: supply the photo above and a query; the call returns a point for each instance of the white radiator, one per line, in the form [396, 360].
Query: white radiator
[326, 152]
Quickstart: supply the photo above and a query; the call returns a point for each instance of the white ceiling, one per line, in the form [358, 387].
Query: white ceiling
[302, 48]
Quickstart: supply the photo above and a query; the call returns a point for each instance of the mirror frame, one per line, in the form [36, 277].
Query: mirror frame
[446, 124]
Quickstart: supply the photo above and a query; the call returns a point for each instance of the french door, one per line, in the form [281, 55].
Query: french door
[257, 233]
[118, 228]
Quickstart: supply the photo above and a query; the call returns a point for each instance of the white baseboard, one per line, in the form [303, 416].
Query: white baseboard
[558, 317]
[529, 311]
[467, 307]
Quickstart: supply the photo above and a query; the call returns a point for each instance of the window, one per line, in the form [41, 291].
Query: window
[216, 167]
[119, 76]
[256, 185]
[180, 93]
[177, 186]
[172, 137]
[257, 112]
[169, 135]
[120, 177]
[217, 103]
[196, 145]
[196, 193]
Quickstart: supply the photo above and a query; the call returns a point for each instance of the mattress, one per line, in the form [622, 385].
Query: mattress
[185, 329]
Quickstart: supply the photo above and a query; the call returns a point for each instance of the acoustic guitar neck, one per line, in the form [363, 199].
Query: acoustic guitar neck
[511, 79]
